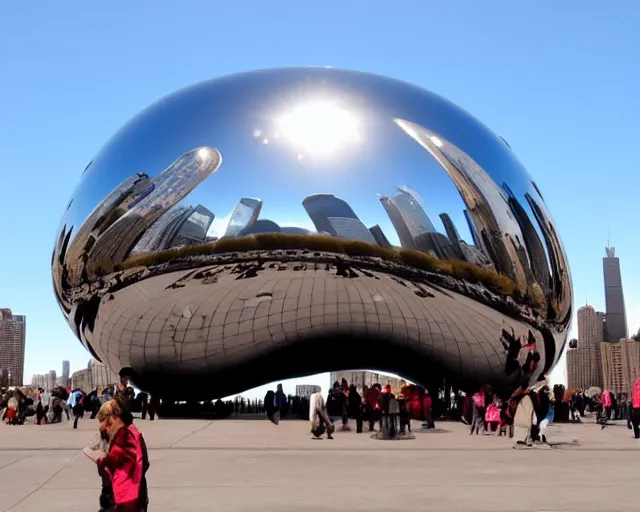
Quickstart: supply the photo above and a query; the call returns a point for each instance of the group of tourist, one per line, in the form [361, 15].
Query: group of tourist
[375, 405]
[525, 415]
[18, 405]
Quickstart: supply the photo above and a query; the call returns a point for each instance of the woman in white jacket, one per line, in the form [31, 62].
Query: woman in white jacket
[525, 417]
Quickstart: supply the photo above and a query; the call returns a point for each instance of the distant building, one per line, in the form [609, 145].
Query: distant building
[12, 343]
[334, 216]
[584, 363]
[614, 297]
[620, 364]
[66, 368]
[95, 375]
[81, 379]
[367, 378]
[306, 390]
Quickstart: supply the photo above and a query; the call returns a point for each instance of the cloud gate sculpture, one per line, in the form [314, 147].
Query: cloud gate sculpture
[277, 223]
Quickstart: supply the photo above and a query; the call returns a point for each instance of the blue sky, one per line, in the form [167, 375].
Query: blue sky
[558, 80]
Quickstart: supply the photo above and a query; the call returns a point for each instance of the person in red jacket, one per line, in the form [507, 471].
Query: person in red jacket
[635, 408]
[125, 462]
[427, 407]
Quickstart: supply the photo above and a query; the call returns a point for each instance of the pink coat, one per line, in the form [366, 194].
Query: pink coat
[635, 394]
[123, 464]
[606, 398]
[492, 415]
[478, 399]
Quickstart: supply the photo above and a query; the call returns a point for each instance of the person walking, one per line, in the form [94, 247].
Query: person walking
[75, 404]
[477, 420]
[635, 409]
[126, 461]
[523, 422]
[318, 417]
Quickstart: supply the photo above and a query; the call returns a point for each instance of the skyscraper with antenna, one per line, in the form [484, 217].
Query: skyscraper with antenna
[616, 316]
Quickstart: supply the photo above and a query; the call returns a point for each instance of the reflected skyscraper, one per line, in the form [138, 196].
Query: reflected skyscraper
[452, 233]
[379, 236]
[103, 216]
[485, 201]
[155, 237]
[614, 297]
[244, 215]
[170, 187]
[334, 216]
[560, 281]
[193, 230]
[472, 229]
[534, 247]
[450, 228]
[407, 214]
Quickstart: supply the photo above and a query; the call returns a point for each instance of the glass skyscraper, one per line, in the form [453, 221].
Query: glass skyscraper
[614, 299]
[334, 216]
[408, 216]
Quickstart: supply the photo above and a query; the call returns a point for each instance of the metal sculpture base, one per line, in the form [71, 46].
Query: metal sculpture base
[432, 431]
[400, 436]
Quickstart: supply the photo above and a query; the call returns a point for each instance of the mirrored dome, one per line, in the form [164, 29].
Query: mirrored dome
[283, 222]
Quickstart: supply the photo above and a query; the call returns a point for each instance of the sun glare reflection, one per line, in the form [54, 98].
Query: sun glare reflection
[319, 128]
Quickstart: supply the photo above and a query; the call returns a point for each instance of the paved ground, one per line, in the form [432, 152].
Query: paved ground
[233, 466]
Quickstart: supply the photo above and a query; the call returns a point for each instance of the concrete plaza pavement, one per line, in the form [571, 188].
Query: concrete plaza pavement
[240, 465]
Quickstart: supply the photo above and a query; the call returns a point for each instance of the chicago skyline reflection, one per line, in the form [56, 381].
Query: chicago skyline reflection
[361, 210]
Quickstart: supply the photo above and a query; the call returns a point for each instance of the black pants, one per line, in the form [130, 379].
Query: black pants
[375, 415]
[39, 413]
[607, 413]
[357, 415]
[635, 422]
[143, 411]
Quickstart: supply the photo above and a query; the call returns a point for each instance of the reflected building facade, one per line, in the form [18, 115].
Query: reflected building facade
[379, 236]
[407, 214]
[333, 216]
[146, 284]
[244, 216]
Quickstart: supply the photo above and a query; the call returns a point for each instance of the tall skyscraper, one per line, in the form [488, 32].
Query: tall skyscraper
[614, 297]
[333, 216]
[379, 235]
[408, 216]
[450, 228]
[13, 330]
[244, 216]
[584, 363]
[169, 188]
[66, 367]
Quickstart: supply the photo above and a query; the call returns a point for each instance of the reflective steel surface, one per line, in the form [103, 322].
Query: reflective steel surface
[283, 222]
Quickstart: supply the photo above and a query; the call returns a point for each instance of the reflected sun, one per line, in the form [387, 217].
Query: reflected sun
[318, 128]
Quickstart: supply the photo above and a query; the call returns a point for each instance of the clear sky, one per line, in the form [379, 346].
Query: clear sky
[559, 81]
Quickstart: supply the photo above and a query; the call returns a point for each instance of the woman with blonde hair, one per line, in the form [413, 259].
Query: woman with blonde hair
[126, 462]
